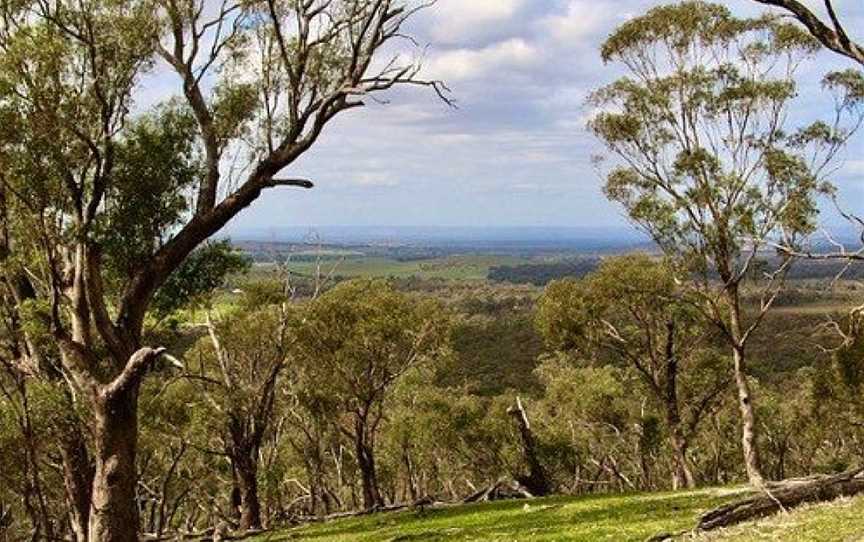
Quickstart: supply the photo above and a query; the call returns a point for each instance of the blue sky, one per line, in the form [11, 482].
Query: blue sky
[515, 152]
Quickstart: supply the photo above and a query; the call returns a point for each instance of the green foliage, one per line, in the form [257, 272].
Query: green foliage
[493, 354]
[262, 293]
[850, 363]
[627, 296]
[683, 26]
[201, 273]
[633, 347]
[358, 338]
[709, 168]
[595, 395]
[453, 433]
[236, 105]
[156, 165]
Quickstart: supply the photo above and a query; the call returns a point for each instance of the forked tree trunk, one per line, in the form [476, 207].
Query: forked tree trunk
[246, 473]
[114, 511]
[78, 482]
[749, 435]
[366, 463]
[682, 476]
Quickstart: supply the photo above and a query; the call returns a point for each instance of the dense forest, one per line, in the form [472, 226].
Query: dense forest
[156, 382]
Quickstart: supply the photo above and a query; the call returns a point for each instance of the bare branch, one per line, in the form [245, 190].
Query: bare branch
[132, 373]
[835, 39]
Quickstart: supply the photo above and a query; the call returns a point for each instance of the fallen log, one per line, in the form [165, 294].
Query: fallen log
[419, 505]
[783, 496]
[503, 489]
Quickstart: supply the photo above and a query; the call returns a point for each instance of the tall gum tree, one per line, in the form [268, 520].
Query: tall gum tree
[709, 164]
[356, 343]
[630, 312]
[238, 376]
[257, 82]
[831, 29]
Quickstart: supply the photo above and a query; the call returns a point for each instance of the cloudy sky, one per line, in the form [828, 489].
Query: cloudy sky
[515, 152]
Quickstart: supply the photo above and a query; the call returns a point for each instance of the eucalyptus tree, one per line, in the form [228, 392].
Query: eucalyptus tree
[355, 344]
[834, 35]
[710, 164]
[238, 367]
[630, 312]
[100, 207]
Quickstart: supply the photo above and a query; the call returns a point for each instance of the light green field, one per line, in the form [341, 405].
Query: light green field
[588, 519]
[614, 518]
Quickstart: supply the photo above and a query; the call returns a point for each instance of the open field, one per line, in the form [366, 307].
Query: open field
[613, 518]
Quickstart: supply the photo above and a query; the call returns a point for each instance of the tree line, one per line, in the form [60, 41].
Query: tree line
[289, 409]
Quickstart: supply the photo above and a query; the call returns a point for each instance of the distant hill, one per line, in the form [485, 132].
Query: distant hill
[507, 239]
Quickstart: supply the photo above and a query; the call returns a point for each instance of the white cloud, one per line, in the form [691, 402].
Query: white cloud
[464, 64]
[854, 167]
[582, 19]
[377, 179]
[515, 152]
[457, 19]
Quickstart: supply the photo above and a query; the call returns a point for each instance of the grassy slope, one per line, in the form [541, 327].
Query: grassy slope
[612, 518]
[839, 521]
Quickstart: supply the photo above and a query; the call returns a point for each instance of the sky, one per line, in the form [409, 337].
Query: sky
[516, 151]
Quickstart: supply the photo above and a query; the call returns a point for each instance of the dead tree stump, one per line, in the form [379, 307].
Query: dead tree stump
[536, 481]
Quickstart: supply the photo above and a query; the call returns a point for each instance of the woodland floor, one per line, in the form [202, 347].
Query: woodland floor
[613, 518]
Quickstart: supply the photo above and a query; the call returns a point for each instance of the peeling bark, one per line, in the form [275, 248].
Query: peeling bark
[114, 511]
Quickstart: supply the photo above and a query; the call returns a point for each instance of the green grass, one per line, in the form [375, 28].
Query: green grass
[839, 521]
[615, 518]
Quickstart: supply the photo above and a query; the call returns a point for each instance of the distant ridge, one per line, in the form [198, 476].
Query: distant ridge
[503, 237]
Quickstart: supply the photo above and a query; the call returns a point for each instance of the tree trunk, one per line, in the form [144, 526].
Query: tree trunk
[114, 512]
[38, 510]
[682, 476]
[366, 463]
[749, 437]
[536, 481]
[78, 482]
[411, 476]
[748, 421]
[246, 472]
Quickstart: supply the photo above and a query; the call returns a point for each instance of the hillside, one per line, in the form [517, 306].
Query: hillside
[613, 518]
